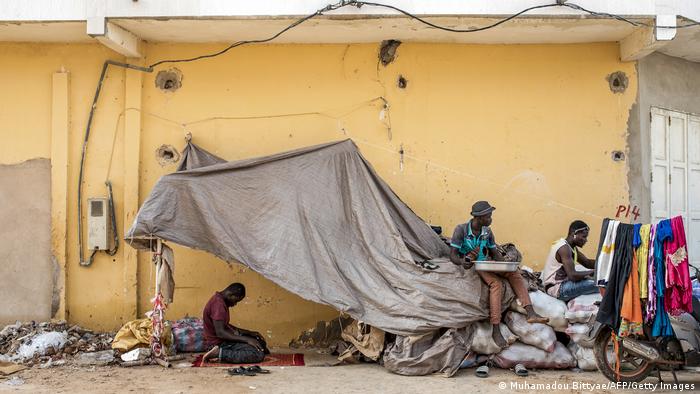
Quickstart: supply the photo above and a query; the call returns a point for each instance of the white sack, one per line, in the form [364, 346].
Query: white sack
[578, 332]
[585, 302]
[547, 306]
[532, 357]
[538, 335]
[483, 342]
[584, 357]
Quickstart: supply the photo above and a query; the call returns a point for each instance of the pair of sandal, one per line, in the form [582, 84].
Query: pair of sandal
[519, 369]
[247, 371]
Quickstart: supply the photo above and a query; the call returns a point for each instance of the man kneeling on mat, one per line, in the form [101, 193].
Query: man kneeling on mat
[228, 343]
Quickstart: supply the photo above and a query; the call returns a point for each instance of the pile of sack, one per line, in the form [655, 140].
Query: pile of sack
[535, 345]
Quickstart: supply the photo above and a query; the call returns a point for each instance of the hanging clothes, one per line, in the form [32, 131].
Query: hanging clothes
[643, 259]
[165, 274]
[610, 306]
[603, 234]
[662, 324]
[651, 277]
[604, 262]
[679, 289]
[631, 311]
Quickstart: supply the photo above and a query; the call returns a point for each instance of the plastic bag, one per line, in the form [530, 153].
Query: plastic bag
[189, 335]
[538, 335]
[547, 306]
[483, 342]
[532, 357]
[40, 344]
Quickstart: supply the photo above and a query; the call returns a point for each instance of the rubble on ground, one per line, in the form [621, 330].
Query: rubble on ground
[49, 343]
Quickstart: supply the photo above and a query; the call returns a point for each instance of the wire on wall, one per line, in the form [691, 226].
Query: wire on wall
[319, 12]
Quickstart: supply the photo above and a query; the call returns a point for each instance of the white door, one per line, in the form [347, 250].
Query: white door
[675, 172]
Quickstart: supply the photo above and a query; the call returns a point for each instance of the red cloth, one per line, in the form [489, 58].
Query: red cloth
[679, 289]
[215, 309]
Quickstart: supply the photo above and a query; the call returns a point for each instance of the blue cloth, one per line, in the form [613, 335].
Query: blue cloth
[662, 324]
[465, 241]
[568, 290]
[637, 241]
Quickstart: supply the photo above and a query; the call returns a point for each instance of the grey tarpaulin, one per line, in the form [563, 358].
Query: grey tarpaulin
[319, 222]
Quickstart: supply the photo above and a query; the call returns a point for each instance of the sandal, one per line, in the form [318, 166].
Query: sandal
[257, 369]
[240, 371]
[520, 370]
[482, 371]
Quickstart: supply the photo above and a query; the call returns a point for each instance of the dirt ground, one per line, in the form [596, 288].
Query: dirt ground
[360, 378]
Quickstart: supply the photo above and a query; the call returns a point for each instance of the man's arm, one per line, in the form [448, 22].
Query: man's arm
[585, 261]
[467, 261]
[567, 260]
[226, 332]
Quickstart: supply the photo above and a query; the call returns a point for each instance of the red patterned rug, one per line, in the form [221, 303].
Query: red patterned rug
[271, 360]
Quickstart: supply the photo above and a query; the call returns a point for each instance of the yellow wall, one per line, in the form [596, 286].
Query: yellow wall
[528, 127]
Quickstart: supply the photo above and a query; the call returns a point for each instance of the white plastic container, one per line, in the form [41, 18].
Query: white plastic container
[496, 266]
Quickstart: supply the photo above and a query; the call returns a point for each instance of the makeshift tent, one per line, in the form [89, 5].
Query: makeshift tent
[321, 223]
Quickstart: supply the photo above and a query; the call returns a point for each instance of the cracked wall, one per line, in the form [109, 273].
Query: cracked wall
[26, 276]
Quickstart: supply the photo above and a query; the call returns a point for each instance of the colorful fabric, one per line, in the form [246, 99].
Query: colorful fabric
[679, 289]
[158, 337]
[604, 262]
[189, 335]
[651, 277]
[662, 324]
[637, 240]
[643, 260]
[631, 311]
[611, 304]
[465, 241]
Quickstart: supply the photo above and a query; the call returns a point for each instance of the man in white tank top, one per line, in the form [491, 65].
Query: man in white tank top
[560, 277]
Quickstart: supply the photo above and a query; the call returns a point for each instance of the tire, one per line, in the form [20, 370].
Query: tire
[635, 374]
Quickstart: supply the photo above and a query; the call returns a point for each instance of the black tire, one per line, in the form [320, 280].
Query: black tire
[637, 373]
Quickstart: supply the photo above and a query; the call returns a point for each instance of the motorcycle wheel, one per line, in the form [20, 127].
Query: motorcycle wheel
[633, 368]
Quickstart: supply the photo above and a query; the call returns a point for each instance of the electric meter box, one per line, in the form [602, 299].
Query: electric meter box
[98, 223]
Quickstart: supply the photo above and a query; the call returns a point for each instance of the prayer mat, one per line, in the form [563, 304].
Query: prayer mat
[271, 360]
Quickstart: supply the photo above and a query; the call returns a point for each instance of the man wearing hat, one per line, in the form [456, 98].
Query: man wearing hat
[474, 241]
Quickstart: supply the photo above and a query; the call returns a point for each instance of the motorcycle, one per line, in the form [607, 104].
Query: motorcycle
[634, 359]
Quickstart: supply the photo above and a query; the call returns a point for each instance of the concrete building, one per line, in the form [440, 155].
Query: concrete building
[556, 115]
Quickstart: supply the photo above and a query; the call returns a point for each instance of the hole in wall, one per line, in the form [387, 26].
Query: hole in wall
[167, 154]
[402, 82]
[169, 80]
[618, 155]
[618, 82]
[387, 51]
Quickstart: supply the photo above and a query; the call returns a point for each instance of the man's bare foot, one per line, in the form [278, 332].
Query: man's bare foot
[498, 337]
[533, 317]
[213, 353]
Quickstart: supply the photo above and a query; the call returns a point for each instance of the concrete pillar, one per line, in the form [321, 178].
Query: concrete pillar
[60, 124]
[132, 165]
